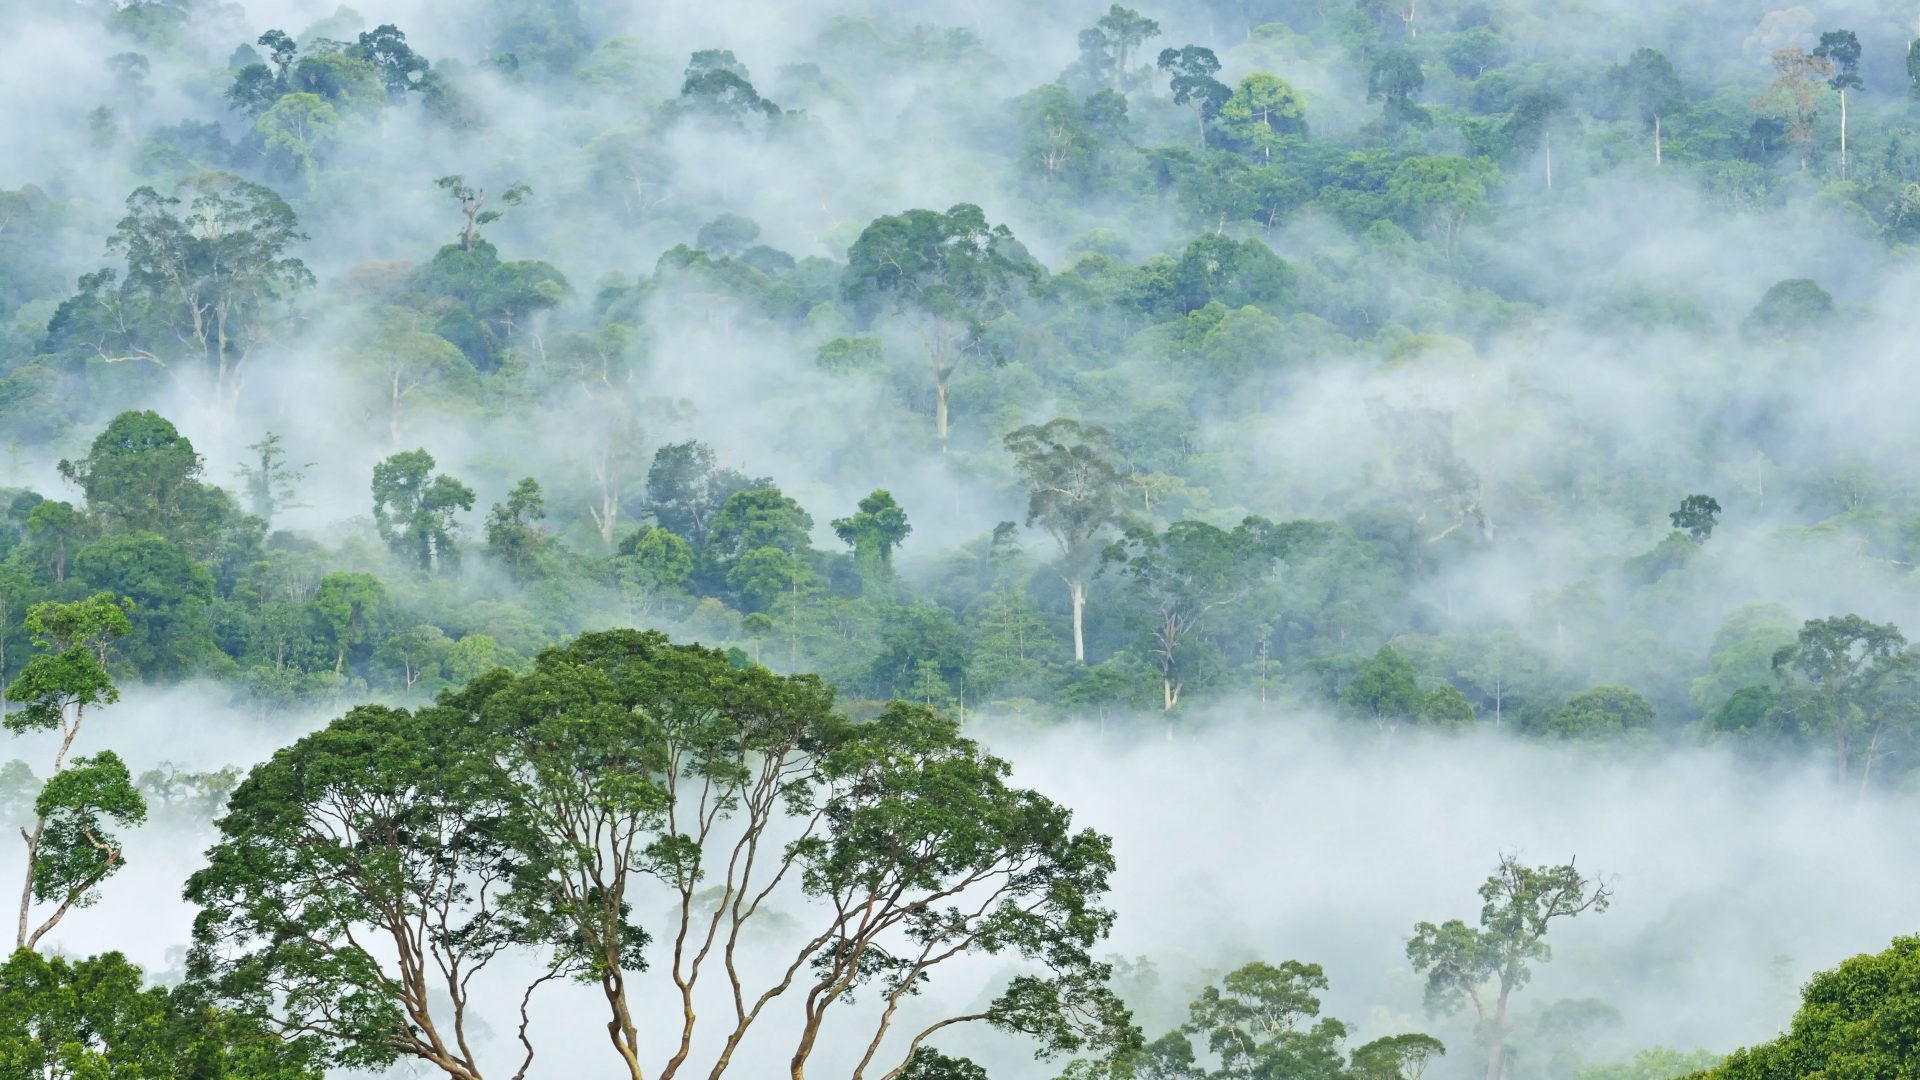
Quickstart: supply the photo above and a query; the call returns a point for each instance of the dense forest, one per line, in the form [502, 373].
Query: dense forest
[565, 532]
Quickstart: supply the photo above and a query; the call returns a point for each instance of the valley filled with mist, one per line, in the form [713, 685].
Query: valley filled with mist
[1204, 540]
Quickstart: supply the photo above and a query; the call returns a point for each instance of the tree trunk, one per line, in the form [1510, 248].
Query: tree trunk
[26, 887]
[1843, 134]
[1078, 590]
[940, 410]
[1656, 140]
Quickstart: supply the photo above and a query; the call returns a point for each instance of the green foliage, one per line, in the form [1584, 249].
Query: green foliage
[1856, 1020]
[1482, 967]
[1600, 713]
[873, 533]
[96, 1017]
[413, 508]
[1789, 310]
[1386, 688]
[457, 834]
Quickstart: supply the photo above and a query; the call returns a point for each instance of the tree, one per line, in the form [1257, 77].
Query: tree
[762, 518]
[295, 129]
[951, 273]
[1789, 309]
[1447, 708]
[1395, 79]
[1255, 1023]
[1190, 75]
[686, 486]
[1077, 494]
[94, 1017]
[400, 68]
[1185, 573]
[1794, 96]
[1263, 113]
[1855, 1020]
[1602, 712]
[355, 894]
[140, 474]
[873, 533]
[405, 359]
[1841, 662]
[69, 848]
[349, 606]
[627, 774]
[1483, 967]
[473, 202]
[601, 366]
[269, 479]
[654, 560]
[1442, 193]
[1386, 688]
[1840, 49]
[413, 509]
[1122, 30]
[1396, 1057]
[56, 530]
[514, 535]
[1651, 88]
[717, 87]
[1697, 516]
[210, 286]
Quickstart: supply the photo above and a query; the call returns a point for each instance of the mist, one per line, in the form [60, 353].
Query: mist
[1449, 316]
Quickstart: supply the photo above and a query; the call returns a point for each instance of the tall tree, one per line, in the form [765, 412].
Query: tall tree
[514, 534]
[1697, 516]
[1794, 95]
[69, 848]
[270, 481]
[952, 273]
[1125, 30]
[686, 486]
[626, 774]
[208, 286]
[1841, 50]
[1077, 494]
[1262, 114]
[1184, 574]
[473, 205]
[873, 533]
[349, 607]
[1483, 966]
[1841, 662]
[1651, 88]
[413, 509]
[355, 895]
[400, 68]
[1395, 79]
[1190, 75]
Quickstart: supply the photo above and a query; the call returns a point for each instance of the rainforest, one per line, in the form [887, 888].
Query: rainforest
[948, 539]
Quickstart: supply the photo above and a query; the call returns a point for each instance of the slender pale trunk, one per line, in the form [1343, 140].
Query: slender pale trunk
[1078, 590]
[940, 411]
[26, 887]
[1843, 134]
[1656, 140]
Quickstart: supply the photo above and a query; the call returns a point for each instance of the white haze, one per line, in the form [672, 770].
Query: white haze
[1252, 834]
